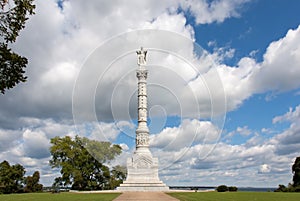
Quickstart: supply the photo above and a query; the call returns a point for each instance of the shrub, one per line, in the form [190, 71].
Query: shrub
[232, 188]
[290, 188]
[222, 188]
[281, 188]
[293, 189]
[297, 189]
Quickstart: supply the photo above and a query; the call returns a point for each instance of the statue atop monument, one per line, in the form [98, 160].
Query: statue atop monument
[141, 56]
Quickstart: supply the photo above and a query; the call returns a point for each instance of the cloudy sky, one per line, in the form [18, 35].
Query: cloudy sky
[223, 86]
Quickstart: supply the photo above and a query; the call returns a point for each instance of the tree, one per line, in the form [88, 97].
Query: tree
[11, 177]
[281, 188]
[12, 21]
[296, 172]
[295, 186]
[232, 188]
[32, 183]
[222, 188]
[82, 162]
[118, 174]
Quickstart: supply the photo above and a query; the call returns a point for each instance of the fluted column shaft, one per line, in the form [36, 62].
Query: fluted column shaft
[142, 131]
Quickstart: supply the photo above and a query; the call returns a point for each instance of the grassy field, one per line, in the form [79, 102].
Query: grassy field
[236, 196]
[59, 197]
[203, 196]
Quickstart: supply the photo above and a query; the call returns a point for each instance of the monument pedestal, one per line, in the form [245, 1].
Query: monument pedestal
[142, 173]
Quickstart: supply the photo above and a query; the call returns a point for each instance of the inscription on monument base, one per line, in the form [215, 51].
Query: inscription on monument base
[142, 174]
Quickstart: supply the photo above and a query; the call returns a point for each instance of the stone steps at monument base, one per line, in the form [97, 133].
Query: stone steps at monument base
[143, 188]
[143, 184]
[139, 186]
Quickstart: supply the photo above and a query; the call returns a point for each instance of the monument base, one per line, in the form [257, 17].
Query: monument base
[143, 187]
[142, 173]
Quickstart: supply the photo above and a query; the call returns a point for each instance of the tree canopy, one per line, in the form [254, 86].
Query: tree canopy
[32, 183]
[118, 174]
[81, 162]
[11, 177]
[296, 172]
[13, 17]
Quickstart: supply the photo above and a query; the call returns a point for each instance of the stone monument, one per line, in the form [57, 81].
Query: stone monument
[142, 168]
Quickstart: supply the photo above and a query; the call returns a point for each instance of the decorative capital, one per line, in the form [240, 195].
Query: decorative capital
[141, 74]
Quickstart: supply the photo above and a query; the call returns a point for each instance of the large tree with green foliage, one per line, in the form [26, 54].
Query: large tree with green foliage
[82, 162]
[32, 183]
[13, 15]
[296, 172]
[11, 177]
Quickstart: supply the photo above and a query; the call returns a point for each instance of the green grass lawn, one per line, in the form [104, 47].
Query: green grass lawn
[236, 196]
[59, 197]
[203, 196]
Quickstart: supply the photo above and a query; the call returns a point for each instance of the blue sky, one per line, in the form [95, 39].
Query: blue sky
[235, 124]
[260, 23]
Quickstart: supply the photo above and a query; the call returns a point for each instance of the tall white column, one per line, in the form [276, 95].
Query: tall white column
[142, 167]
[142, 131]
